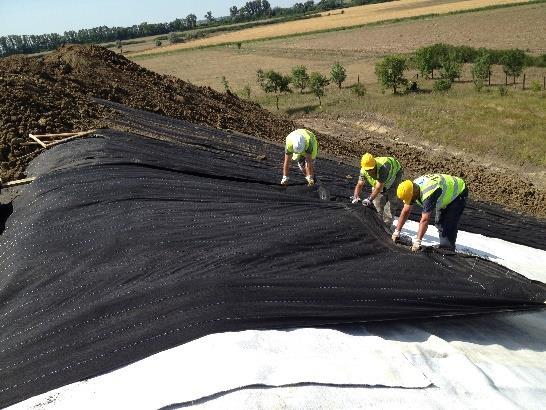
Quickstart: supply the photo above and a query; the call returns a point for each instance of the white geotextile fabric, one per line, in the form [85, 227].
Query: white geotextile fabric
[475, 362]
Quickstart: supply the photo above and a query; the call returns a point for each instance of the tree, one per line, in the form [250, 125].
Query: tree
[424, 61]
[191, 21]
[481, 70]
[300, 78]
[390, 72]
[338, 74]
[512, 63]
[318, 83]
[158, 43]
[273, 82]
[209, 17]
[233, 12]
[451, 67]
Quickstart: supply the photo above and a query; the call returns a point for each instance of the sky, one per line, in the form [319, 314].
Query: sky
[57, 16]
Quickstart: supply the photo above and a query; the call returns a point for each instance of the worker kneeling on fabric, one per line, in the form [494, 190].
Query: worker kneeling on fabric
[383, 174]
[302, 146]
[445, 194]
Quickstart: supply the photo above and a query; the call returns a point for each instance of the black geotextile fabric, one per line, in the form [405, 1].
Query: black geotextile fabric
[125, 246]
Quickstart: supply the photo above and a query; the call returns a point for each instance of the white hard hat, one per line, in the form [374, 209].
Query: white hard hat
[298, 142]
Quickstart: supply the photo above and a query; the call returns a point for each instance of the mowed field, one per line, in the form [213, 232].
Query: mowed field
[486, 124]
[350, 17]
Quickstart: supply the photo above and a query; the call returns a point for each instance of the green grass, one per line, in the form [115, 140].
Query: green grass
[484, 123]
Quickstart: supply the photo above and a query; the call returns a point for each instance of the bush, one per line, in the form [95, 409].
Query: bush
[358, 89]
[443, 84]
[158, 43]
[512, 63]
[503, 91]
[246, 91]
[225, 83]
[175, 38]
[239, 45]
[535, 86]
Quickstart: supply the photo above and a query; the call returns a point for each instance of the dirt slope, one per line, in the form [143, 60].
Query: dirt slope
[52, 94]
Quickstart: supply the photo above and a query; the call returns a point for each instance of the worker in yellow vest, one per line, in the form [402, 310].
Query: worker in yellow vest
[440, 192]
[301, 146]
[383, 174]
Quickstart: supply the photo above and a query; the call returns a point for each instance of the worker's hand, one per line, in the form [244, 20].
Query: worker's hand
[395, 236]
[284, 180]
[354, 199]
[416, 245]
[310, 180]
[367, 202]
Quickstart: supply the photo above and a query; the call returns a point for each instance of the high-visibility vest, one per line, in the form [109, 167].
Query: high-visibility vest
[394, 167]
[310, 138]
[451, 188]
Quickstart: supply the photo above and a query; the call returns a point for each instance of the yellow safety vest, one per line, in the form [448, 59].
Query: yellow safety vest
[451, 188]
[382, 162]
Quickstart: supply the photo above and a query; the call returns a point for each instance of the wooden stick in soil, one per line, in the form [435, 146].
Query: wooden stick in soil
[37, 140]
[17, 182]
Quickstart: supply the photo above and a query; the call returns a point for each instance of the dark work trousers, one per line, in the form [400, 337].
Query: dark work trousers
[447, 220]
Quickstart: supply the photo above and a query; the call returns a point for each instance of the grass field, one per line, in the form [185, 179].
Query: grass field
[354, 16]
[511, 128]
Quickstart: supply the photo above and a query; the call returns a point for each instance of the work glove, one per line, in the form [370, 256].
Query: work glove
[284, 180]
[416, 245]
[310, 180]
[395, 236]
[355, 199]
[367, 202]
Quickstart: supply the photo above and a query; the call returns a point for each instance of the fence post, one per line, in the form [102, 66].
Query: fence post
[544, 88]
[523, 86]
[358, 79]
[489, 80]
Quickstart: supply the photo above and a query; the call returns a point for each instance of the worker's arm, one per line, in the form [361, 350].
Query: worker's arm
[286, 165]
[403, 217]
[358, 188]
[377, 189]
[309, 166]
[423, 225]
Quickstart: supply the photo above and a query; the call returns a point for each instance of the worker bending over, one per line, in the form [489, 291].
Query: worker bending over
[383, 174]
[302, 146]
[445, 194]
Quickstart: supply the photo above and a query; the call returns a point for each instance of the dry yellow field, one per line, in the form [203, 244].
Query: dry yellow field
[353, 16]
[359, 48]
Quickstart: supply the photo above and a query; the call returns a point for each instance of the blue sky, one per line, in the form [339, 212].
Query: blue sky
[57, 16]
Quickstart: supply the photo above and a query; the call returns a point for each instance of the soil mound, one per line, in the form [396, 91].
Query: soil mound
[54, 93]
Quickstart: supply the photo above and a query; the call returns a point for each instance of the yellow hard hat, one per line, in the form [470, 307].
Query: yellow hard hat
[405, 191]
[368, 161]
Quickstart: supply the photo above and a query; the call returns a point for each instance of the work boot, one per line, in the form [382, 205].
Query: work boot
[446, 244]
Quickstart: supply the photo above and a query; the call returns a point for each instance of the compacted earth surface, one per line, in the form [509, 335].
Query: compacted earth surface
[61, 92]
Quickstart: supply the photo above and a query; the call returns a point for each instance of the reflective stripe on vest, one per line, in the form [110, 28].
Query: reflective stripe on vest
[394, 167]
[451, 188]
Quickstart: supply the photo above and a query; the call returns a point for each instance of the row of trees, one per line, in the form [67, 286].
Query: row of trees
[275, 83]
[252, 10]
[449, 60]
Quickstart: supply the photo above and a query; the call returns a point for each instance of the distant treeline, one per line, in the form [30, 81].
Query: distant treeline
[252, 10]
